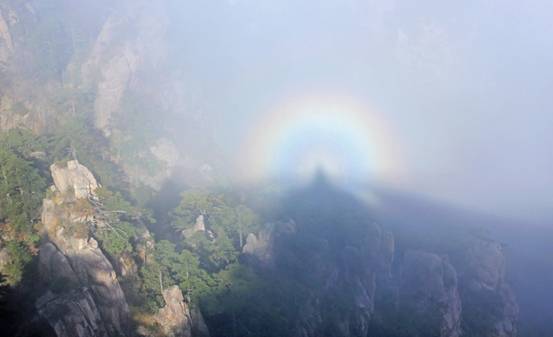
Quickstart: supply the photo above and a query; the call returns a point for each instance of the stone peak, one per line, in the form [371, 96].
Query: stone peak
[74, 177]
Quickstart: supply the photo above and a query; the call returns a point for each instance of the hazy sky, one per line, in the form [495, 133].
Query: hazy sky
[466, 86]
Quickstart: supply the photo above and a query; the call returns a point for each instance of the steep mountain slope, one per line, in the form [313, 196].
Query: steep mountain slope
[108, 89]
[69, 258]
[358, 280]
[112, 71]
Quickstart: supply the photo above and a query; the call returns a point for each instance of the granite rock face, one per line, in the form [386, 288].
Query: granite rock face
[485, 264]
[174, 318]
[486, 290]
[334, 251]
[349, 278]
[54, 267]
[75, 178]
[260, 246]
[130, 42]
[428, 289]
[71, 260]
[73, 314]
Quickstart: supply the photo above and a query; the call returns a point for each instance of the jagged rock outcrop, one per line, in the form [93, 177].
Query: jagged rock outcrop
[29, 80]
[199, 226]
[174, 318]
[108, 68]
[334, 252]
[260, 247]
[428, 291]
[125, 265]
[506, 326]
[485, 264]
[75, 178]
[72, 258]
[116, 75]
[350, 279]
[489, 301]
[130, 41]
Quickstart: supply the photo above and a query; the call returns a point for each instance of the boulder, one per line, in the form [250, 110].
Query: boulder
[75, 178]
[174, 318]
[260, 246]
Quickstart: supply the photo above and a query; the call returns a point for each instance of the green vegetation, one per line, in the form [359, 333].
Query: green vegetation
[77, 139]
[120, 218]
[205, 261]
[116, 239]
[194, 204]
[227, 222]
[19, 257]
[235, 299]
[21, 191]
[150, 288]
[24, 175]
[199, 264]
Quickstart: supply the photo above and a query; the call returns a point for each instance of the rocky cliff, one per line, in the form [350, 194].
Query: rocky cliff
[130, 43]
[359, 284]
[59, 63]
[347, 253]
[73, 313]
[429, 292]
[73, 264]
[174, 318]
[490, 304]
[84, 296]
[73, 178]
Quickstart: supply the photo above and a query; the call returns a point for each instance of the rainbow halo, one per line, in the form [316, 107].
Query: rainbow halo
[343, 139]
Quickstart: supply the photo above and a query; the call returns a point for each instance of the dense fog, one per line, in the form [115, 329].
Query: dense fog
[276, 168]
[461, 88]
